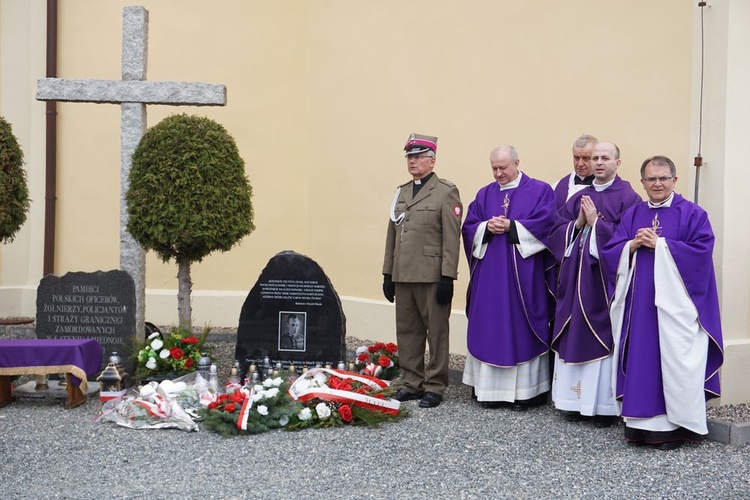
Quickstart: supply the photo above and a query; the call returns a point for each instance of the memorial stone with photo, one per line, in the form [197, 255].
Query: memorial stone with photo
[292, 315]
[79, 305]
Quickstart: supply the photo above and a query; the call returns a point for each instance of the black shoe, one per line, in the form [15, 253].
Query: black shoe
[574, 416]
[430, 400]
[404, 395]
[669, 445]
[603, 421]
[491, 405]
[519, 407]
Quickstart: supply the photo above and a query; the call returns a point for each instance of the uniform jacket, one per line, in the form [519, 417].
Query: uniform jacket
[425, 245]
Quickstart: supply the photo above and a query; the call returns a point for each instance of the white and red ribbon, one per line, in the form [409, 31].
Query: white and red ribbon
[301, 391]
[247, 405]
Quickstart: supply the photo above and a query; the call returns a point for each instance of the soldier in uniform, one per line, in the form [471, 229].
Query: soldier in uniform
[421, 260]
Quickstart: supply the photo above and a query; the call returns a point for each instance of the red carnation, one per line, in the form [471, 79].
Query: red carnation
[363, 358]
[384, 361]
[213, 405]
[223, 398]
[229, 408]
[189, 340]
[189, 363]
[379, 346]
[391, 348]
[238, 397]
[346, 413]
[176, 353]
[373, 348]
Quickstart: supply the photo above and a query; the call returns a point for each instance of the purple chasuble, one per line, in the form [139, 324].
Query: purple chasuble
[507, 298]
[561, 191]
[582, 329]
[690, 241]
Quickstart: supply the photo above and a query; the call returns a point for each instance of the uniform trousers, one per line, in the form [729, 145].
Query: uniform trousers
[420, 318]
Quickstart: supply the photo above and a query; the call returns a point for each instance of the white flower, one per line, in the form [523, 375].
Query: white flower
[305, 414]
[283, 421]
[277, 381]
[263, 410]
[153, 335]
[271, 392]
[267, 382]
[322, 410]
[361, 350]
[301, 384]
[151, 363]
[157, 344]
[320, 379]
[258, 388]
[164, 354]
[257, 396]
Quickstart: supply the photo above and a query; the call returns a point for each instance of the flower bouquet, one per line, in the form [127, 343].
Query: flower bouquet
[173, 355]
[319, 398]
[378, 360]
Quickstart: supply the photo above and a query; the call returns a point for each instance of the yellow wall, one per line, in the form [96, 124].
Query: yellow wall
[321, 96]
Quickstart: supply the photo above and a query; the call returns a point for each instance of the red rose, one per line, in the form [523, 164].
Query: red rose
[238, 397]
[229, 408]
[176, 353]
[373, 348]
[222, 398]
[384, 361]
[391, 348]
[189, 340]
[213, 405]
[363, 358]
[189, 363]
[379, 346]
[334, 382]
[346, 413]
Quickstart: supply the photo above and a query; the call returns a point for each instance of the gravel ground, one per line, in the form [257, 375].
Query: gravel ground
[457, 450]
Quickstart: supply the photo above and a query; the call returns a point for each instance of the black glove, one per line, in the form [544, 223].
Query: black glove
[389, 288]
[444, 292]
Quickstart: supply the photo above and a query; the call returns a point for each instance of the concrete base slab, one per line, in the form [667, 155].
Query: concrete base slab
[729, 432]
[28, 391]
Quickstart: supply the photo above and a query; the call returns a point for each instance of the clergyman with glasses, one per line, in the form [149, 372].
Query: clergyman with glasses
[582, 332]
[420, 264]
[665, 313]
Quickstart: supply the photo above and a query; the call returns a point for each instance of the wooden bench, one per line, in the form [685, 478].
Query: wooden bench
[77, 358]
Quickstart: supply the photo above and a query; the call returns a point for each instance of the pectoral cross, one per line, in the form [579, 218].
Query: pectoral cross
[506, 204]
[656, 225]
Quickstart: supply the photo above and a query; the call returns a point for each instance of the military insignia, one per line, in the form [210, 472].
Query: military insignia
[456, 210]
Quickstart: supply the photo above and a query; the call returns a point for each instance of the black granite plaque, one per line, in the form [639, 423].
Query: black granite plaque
[80, 305]
[292, 315]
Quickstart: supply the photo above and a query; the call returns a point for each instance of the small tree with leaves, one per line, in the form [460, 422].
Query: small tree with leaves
[14, 193]
[188, 196]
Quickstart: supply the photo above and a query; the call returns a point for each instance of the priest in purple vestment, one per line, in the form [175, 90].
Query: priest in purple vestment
[505, 235]
[665, 313]
[582, 334]
[583, 171]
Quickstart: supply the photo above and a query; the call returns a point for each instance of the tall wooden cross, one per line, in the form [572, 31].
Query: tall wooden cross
[133, 92]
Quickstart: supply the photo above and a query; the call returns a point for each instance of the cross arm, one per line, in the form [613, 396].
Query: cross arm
[136, 91]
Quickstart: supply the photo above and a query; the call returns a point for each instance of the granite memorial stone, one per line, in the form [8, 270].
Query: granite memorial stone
[99, 306]
[292, 315]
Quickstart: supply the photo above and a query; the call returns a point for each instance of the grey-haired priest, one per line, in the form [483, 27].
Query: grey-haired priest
[420, 264]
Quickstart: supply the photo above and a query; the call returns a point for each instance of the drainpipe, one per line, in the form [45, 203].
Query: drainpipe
[50, 195]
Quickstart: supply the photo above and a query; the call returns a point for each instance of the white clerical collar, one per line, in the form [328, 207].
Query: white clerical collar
[661, 204]
[601, 187]
[512, 184]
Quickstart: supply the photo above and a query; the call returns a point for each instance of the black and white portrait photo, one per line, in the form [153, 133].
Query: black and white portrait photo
[292, 331]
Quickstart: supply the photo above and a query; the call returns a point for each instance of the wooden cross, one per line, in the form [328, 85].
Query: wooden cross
[132, 93]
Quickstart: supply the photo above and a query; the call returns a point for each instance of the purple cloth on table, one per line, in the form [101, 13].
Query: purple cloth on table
[690, 240]
[85, 354]
[507, 304]
[582, 330]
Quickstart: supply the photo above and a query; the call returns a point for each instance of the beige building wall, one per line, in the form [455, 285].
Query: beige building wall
[321, 97]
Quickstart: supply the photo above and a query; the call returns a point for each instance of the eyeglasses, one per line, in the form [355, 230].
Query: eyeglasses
[663, 179]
